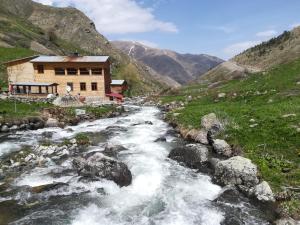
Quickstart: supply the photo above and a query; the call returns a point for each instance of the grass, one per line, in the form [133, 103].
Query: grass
[274, 143]
[7, 109]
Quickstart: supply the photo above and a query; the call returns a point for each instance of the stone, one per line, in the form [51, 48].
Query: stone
[99, 166]
[222, 148]
[192, 155]
[263, 192]
[14, 128]
[289, 115]
[287, 221]
[221, 95]
[237, 171]
[253, 125]
[52, 123]
[4, 129]
[211, 123]
[113, 150]
[201, 137]
[161, 139]
[48, 187]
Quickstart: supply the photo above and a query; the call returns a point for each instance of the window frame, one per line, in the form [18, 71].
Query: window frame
[96, 68]
[72, 74]
[58, 74]
[81, 86]
[82, 69]
[40, 69]
[94, 86]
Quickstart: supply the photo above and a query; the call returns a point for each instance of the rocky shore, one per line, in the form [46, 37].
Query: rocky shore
[53, 117]
[224, 162]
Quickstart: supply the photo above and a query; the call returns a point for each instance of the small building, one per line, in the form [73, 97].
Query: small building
[119, 86]
[41, 75]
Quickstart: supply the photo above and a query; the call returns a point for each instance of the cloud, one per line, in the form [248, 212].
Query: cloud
[267, 34]
[117, 16]
[148, 43]
[239, 47]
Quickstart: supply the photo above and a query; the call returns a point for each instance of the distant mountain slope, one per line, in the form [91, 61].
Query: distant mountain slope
[283, 49]
[181, 68]
[51, 30]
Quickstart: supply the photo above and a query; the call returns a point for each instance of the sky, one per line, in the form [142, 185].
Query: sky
[221, 28]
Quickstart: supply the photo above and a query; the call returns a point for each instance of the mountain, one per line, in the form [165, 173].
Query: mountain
[181, 68]
[50, 30]
[279, 50]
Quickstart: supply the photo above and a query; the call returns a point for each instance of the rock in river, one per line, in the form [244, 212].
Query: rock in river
[100, 166]
[193, 155]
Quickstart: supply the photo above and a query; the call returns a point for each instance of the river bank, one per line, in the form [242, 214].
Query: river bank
[226, 165]
[162, 191]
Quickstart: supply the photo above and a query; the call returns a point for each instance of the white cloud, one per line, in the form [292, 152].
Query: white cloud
[267, 34]
[117, 16]
[237, 48]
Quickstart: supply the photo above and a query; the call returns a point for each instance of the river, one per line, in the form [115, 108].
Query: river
[162, 191]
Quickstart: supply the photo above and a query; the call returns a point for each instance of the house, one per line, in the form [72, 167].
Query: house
[41, 75]
[119, 86]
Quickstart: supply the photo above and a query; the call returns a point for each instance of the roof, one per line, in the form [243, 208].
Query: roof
[117, 82]
[116, 95]
[55, 59]
[33, 84]
[22, 59]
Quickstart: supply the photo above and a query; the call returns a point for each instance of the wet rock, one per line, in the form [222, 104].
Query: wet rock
[237, 171]
[48, 187]
[14, 128]
[52, 123]
[263, 192]
[192, 155]
[4, 129]
[222, 148]
[100, 166]
[149, 122]
[161, 139]
[113, 150]
[213, 162]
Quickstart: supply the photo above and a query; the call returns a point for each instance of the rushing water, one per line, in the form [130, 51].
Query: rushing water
[162, 191]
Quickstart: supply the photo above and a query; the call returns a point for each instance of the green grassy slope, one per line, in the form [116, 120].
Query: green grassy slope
[272, 99]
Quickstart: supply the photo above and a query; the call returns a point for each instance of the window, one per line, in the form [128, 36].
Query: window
[40, 69]
[94, 87]
[84, 71]
[70, 85]
[59, 71]
[82, 86]
[71, 71]
[96, 71]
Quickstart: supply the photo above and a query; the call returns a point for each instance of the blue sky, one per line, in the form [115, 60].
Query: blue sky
[218, 27]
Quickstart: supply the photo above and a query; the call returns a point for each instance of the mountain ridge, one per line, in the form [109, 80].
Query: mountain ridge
[181, 68]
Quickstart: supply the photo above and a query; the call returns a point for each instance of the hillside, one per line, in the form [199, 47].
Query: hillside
[181, 68]
[283, 49]
[49, 30]
[262, 114]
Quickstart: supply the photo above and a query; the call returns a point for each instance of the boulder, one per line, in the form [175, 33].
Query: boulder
[222, 148]
[48, 187]
[237, 171]
[210, 121]
[192, 155]
[113, 150]
[263, 192]
[4, 129]
[287, 221]
[52, 123]
[201, 137]
[161, 139]
[99, 166]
